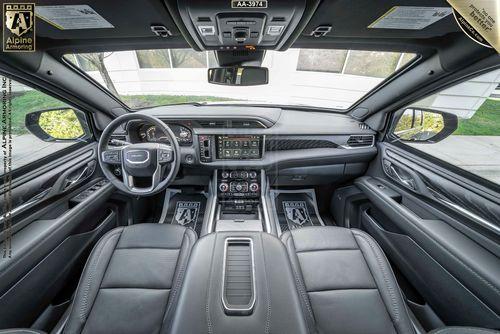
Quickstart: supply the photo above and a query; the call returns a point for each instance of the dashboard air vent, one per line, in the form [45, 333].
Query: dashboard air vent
[363, 126]
[237, 123]
[213, 124]
[360, 140]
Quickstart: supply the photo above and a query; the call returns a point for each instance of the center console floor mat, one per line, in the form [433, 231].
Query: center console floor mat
[295, 209]
[184, 209]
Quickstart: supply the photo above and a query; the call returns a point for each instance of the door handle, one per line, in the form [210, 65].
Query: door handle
[409, 182]
[73, 180]
[77, 175]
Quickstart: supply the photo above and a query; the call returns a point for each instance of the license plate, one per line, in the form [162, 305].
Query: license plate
[249, 3]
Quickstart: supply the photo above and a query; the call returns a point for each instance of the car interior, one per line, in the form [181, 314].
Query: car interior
[291, 206]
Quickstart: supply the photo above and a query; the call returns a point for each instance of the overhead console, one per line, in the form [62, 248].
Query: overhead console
[242, 24]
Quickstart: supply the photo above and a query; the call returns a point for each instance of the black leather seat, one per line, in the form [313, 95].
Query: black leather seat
[132, 279]
[345, 282]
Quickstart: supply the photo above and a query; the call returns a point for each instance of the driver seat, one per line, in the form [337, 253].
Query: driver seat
[132, 279]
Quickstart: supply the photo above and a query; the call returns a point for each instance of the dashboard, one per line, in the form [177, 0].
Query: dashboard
[251, 137]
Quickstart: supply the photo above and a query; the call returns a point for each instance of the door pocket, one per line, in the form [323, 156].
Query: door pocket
[427, 275]
[42, 283]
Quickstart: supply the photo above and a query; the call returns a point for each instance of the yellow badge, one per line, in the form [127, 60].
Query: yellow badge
[19, 19]
[479, 19]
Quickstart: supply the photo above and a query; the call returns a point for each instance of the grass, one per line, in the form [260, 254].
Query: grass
[485, 122]
[30, 101]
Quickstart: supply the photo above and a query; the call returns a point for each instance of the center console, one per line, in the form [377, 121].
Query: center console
[239, 206]
[239, 281]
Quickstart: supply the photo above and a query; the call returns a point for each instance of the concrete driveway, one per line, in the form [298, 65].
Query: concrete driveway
[477, 154]
[28, 148]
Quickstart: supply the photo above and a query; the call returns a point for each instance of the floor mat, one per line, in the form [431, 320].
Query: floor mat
[295, 209]
[184, 209]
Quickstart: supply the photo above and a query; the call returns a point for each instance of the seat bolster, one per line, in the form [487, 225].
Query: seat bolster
[288, 241]
[91, 279]
[20, 331]
[386, 282]
[463, 330]
[188, 240]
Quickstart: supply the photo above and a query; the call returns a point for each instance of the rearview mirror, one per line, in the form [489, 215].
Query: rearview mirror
[425, 125]
[238, 76]
[61, 124]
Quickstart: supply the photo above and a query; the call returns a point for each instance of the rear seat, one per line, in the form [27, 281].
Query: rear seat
[345, 282]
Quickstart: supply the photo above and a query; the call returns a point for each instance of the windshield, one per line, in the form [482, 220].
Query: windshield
[333, 79]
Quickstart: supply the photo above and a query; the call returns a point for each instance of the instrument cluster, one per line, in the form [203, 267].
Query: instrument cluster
[150, 133]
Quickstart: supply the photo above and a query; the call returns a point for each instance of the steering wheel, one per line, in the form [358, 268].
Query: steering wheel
[147, 168]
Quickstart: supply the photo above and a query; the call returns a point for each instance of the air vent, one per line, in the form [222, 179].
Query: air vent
[297, 144]
[360, 141]
[247, 124]
[237, 124]
[213, 124]
[363, 126]
[238, 295]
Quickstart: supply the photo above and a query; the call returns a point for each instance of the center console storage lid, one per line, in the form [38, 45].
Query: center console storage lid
[262, 300]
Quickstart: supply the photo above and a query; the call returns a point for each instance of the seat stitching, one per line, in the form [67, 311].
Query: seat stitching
[302, 289]
[325, 250]
[451, 330]
[388, 285]
[207, 310]
[340, 289]
[83, 309]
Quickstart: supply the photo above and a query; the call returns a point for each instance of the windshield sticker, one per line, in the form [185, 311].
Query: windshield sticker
[479, 20]
[410, 17]
[72, 17]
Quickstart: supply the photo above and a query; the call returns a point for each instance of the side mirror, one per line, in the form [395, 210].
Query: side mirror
[61, 124]
[424, 125]
[238, 76]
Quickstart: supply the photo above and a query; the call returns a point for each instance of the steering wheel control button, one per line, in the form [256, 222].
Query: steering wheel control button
[164, 155]
[112, 157]
[252, 174]
[225, 175]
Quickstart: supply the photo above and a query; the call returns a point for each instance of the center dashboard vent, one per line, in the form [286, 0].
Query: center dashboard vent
[355, 141]
[235, 124]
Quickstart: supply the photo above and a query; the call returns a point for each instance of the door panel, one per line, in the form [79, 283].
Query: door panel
[60, 210]
[441, 231]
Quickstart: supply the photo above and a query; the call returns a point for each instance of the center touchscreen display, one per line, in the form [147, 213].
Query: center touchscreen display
[239, 147]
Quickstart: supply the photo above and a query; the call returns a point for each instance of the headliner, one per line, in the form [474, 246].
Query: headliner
[349, 19]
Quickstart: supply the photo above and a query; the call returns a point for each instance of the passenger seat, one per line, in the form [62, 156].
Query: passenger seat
[345, 282]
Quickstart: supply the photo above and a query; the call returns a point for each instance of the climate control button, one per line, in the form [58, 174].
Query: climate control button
[254, 187]
[223, 187]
